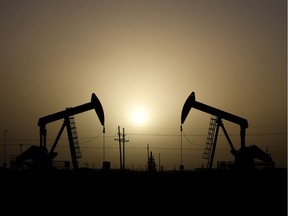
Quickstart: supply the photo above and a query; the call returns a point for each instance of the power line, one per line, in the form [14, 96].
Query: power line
[92, 138]
[146, 134]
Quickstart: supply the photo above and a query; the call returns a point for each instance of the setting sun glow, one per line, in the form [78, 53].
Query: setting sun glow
[139, 116]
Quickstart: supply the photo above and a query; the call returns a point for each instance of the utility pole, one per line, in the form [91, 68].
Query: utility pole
[147, 157]
[5, 133]
[159, 164]
[181, 144]
[119, 139]
[181, 167]
[124, 141]
[103, 143]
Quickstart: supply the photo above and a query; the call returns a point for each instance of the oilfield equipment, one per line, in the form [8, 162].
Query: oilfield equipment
[38, 157]
[245, 156]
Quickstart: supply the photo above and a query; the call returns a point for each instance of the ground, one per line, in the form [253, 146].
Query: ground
[258, 192]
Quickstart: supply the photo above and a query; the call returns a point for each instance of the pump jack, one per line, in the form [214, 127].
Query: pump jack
[244, 157]
[39, 154]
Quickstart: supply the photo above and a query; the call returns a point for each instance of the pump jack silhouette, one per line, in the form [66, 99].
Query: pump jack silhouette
[39, 155]
[244, 157]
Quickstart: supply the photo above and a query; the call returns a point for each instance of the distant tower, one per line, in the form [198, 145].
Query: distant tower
[151, 163]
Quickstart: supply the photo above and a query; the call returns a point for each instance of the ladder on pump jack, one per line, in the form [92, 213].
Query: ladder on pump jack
[210, 140]
[74, 138]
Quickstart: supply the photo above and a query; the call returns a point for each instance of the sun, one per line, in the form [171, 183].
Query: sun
[139, 116]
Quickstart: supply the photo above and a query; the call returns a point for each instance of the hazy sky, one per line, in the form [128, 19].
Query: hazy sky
[144, 56]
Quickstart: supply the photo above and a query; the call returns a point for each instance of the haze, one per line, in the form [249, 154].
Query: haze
[143, 59]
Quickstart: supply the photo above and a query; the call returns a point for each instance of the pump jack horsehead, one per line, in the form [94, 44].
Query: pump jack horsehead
[39, 154]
